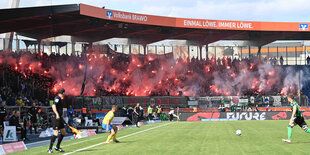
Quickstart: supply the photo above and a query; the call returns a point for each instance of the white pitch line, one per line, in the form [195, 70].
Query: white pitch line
[85, 148]
[82, 141]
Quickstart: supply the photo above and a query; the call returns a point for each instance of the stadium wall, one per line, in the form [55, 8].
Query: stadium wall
[105, 102]
[230, 116]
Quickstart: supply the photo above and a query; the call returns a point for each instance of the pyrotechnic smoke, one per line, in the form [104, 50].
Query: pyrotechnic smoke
[138, 75]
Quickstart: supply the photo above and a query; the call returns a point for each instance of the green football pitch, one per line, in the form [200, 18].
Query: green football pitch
[258, 137]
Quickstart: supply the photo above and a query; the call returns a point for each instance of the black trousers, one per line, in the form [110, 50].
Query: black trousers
[22, 131]
[33, 125]
[171, 117]
[150, 116]
[135, 119]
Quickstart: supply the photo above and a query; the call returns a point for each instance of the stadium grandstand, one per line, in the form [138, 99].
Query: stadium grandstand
[198, 68]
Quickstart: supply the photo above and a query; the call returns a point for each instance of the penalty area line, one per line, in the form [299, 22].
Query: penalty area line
[85, 148]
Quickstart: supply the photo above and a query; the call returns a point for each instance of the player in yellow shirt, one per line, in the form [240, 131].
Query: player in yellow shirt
[106, 125]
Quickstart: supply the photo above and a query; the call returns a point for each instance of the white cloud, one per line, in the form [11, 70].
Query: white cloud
[262, 10]
[253, 10]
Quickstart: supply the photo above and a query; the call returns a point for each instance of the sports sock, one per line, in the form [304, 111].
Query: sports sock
[59, 140]
[109, 138]
[114, 137]
[308, 130]
[289, 132]
[52, 141]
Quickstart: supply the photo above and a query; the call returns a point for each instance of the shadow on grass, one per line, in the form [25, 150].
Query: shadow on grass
[301, 142]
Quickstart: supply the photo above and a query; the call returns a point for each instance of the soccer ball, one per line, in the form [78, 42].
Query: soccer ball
[238, 132]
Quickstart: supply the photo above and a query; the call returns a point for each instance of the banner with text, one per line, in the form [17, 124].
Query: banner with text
[213, 116]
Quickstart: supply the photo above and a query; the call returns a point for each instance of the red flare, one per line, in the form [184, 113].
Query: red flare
[271, 73]
[252, 65]
[233, 75]
[112, 71]
[150, 58]
[81, 66]
[207, 68]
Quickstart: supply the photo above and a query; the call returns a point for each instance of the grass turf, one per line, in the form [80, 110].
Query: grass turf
[258, 137]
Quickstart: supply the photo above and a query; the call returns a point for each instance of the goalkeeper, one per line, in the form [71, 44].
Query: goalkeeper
[106, 125]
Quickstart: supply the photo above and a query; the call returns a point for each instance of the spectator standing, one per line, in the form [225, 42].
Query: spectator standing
[3, 114]
[158, 111]
[20, 102]
[124, 111]
[24, 127]
[33, 112]
[84, 112]
[129, 112]
[249, 109]
[256, 107]
[11, 100]
[71, 115]
[281, 61]
[14, 121]
[308, 60]
[150, 112]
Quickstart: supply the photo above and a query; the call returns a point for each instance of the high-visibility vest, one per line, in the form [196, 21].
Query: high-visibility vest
[51, 102]
[159, 110]
[150, 110]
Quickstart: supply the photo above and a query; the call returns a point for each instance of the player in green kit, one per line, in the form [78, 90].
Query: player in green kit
[296, 118]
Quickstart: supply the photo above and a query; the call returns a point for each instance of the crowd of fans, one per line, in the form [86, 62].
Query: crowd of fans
[20, 82]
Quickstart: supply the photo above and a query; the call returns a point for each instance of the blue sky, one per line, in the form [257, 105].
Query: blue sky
[252, 10]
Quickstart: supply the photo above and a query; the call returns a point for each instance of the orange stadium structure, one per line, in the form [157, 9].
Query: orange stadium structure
[90, 24]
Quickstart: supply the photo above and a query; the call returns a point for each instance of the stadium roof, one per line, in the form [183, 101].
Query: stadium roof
[91, 24]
